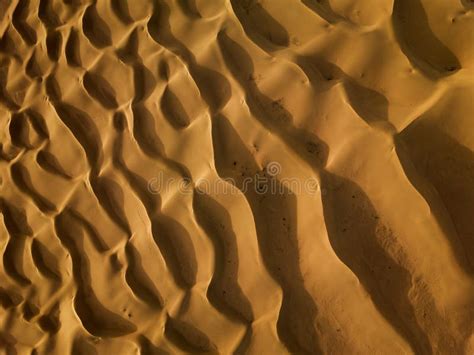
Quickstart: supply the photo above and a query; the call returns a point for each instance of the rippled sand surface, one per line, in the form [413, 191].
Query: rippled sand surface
[237, 176]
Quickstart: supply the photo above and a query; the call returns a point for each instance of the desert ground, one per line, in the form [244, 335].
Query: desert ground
[237, 177]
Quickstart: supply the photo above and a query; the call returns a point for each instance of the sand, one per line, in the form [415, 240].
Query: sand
[237, 176]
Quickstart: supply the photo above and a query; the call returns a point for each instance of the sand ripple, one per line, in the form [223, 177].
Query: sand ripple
[242, 176]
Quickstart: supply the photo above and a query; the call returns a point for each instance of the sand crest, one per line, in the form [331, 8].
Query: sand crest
[236, 176]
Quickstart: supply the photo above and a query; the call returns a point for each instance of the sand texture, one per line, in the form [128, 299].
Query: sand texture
[236, 177]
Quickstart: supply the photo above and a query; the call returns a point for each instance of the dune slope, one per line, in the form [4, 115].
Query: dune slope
[236, 176]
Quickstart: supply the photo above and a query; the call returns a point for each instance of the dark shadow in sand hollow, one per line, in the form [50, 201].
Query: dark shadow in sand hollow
[275, 221]
[359, 238]
[442, 170]
[269, 112]
[421, 46]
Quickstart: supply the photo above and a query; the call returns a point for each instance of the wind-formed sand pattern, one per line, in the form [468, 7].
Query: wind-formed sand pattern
[340, 135]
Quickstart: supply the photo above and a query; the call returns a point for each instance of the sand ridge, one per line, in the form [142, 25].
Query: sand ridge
[236, 176]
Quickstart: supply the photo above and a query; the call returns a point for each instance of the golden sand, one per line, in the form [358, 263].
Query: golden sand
[237, 176]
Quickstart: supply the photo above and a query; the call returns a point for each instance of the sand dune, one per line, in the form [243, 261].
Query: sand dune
[237, 176]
